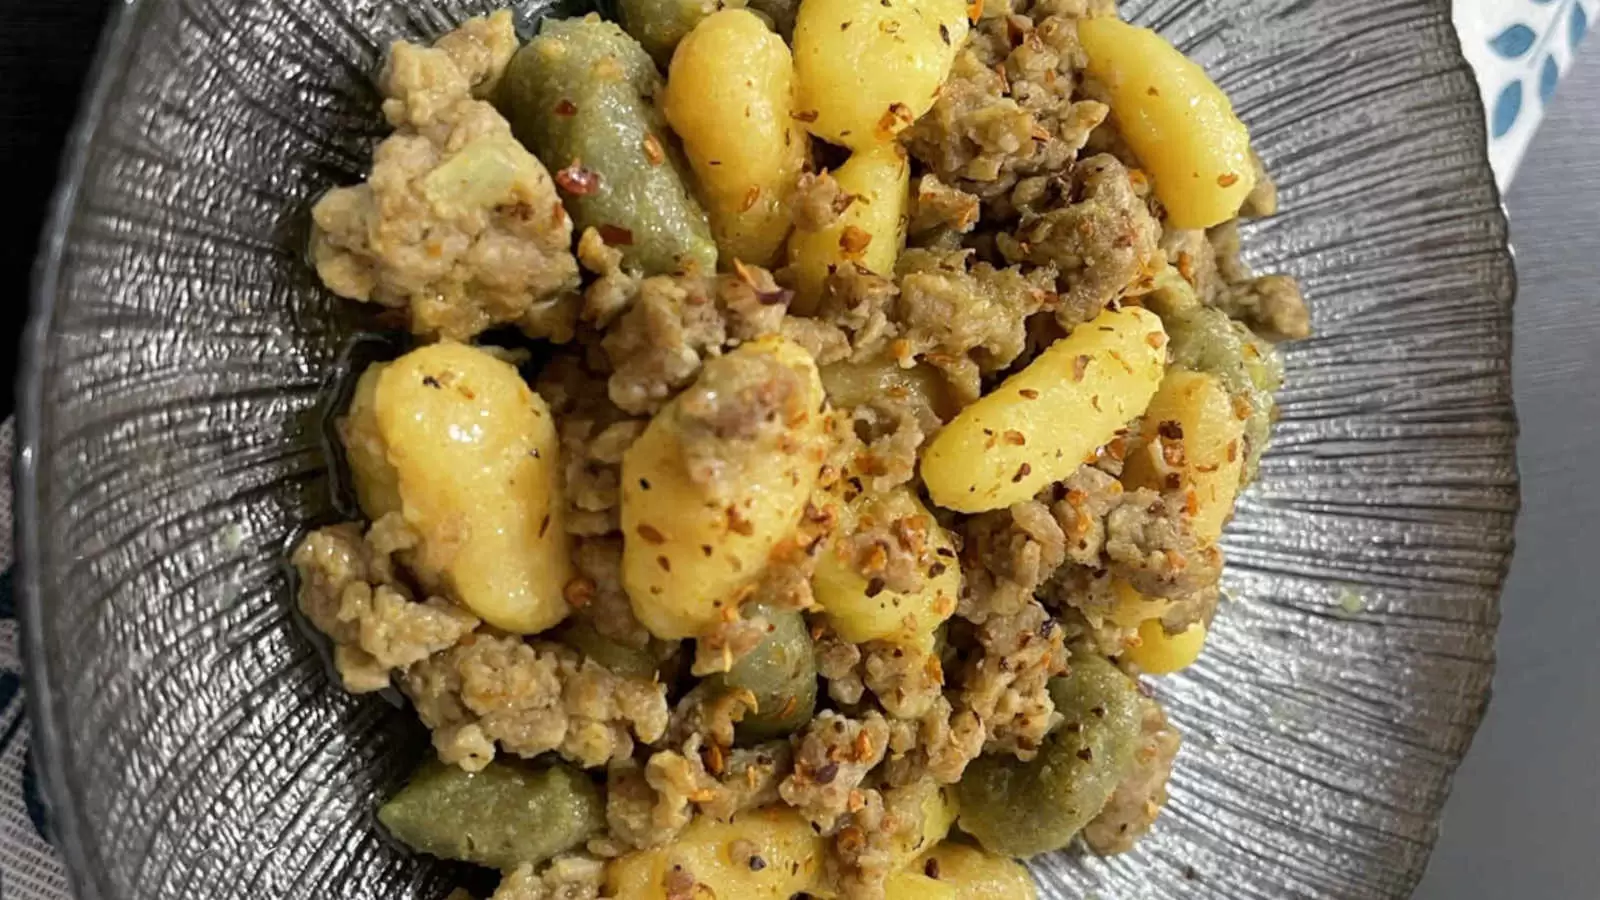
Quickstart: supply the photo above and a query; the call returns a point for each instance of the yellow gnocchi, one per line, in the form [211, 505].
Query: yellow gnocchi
[870, 232]
[1192, 439]
[1178, 122]
[455, 441]
[763, 854]
[1158, 653]
[702, 512]
[1045, 421]
[975, 875]
[867, 69]
[729, 96]
[862, 609]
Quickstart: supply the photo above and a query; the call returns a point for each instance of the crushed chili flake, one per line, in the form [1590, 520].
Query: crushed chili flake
[1023, 471]
[751, 195]
[577, 180]
[1227, 180]
[1080, 366]
[1015, 438]
[566, 108]
[895, 119]
[853, 242]
[579, 591]
[1029, 394]
[804, 115]
[616, 235]
[975, 10]
[653, 151]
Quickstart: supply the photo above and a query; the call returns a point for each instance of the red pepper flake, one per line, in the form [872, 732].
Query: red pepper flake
[578, 181]
[853, 242]
[1029, 393]
[738, 524]
[651, 534]
[1156, 340]
[751, 195]
[804, 115]
[1080, 366]
[566, 108]
[975, 10]
[652, 150]
[1015, 438]
[616, 235]
[579, 591]
[875, 587]
[1023, 471]
[894, 120]
[1227, 180]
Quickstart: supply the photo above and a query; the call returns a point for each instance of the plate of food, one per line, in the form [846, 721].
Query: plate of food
[862, 449]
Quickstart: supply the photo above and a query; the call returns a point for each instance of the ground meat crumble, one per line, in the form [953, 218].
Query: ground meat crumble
[456, 263]
[531, 698]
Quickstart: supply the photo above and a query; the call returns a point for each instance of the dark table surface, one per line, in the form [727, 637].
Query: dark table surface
[45, 49]
[1524, 820]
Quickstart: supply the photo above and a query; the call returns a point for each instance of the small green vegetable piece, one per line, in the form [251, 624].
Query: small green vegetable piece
[1206, 340]
[631, 662]
[780, 672]
[507, 814]
[1017, 808]
[658, 25]
[580, 96]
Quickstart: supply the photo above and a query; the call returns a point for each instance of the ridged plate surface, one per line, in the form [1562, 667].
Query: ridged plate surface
[193, 743]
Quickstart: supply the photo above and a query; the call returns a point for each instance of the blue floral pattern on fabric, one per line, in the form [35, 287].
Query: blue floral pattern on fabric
[1530, 44]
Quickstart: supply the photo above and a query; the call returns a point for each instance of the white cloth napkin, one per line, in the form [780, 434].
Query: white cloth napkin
[1518, 47]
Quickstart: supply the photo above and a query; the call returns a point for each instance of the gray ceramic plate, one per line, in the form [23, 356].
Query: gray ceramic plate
[191, 741]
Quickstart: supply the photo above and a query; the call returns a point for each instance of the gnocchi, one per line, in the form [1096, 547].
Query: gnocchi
[469, 453]
[1178, 122]
[722, 858]
[702, 510]
[729, 97]
[1192, 439]
[860, 609]
[870, 232]
[1040, 424]
[909, 884]
[1158, 653]
[975, 875]
[866, 69]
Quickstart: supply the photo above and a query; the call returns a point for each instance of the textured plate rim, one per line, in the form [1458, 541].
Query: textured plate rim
[111, 54]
